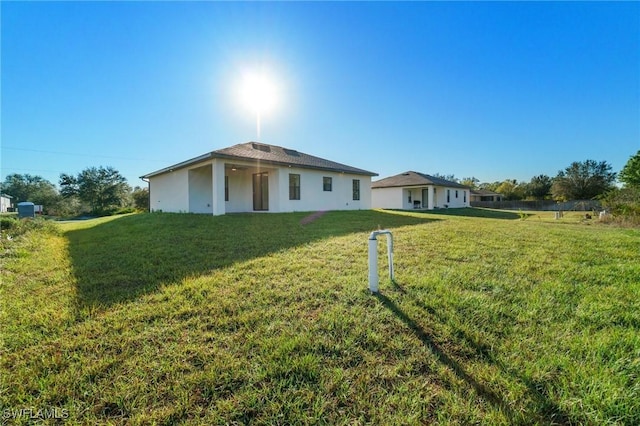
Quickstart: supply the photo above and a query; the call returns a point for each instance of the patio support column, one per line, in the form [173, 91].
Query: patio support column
[217, 174]
[431, 196]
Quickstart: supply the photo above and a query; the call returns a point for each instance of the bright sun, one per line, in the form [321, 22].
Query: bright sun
[258, 92]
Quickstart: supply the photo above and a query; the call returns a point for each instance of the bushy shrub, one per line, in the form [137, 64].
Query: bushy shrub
[17, 227]
[624, 205]
[125, 210]
[7, 222]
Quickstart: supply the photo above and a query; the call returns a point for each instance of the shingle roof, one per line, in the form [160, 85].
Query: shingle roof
[286, 157]
[269, 154]
[414, 179]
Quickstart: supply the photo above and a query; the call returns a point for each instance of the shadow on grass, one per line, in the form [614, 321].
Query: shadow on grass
[483, 391]
[549, 411]
[126, 257]
[480, 212]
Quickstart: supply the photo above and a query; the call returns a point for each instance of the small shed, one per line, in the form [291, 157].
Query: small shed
[6, 205]
[26, 209]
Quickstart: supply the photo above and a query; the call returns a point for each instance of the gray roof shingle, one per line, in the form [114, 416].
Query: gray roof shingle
[285, 157]
[414, 179]
[269, 154]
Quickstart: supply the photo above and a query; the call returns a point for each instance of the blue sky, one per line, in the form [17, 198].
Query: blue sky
[495, 90]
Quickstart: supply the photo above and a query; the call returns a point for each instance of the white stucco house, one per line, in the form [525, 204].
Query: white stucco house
[413, 190]
[5, 203]
[484, 195]
[256, 177]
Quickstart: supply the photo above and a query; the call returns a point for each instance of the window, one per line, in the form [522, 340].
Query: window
[326, 183]
[294, 186]
[356, 189]
[456, 193]
[226, 188]
[465, 195]
[448, 195]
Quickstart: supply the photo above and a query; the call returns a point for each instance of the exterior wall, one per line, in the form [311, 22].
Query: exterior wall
[453, 201]
[169, 192]
[386, 198]
[5, 203]
[399, 198]
[201, 189]
[312, 195]
[446, 197]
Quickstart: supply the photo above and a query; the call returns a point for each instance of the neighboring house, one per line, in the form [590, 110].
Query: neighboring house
[484, 195]
[413, 190]
[258, 177]
[5, 203]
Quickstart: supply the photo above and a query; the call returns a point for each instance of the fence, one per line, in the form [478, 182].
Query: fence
[576, 205]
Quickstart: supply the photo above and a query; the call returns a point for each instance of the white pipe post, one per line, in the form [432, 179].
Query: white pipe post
[373, 258]
[373, 263]
[390, 254]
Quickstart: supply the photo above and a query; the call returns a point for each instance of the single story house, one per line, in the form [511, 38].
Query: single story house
[6, 203]
[484, 195]
[413, 190]
[256, 177]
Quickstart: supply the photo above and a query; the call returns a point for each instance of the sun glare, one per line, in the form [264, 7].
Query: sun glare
[259, 92]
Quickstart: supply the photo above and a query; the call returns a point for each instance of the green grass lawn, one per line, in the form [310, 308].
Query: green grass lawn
[266, 319]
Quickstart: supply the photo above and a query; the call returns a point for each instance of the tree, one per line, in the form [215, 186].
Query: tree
[511, 190]
[140, 198]
[450, 178]
[103, 189]
[583, 180]
[35, 189]
[539, 187]
[471, 182]
[489, 186]
[630, 173]
[623, 202]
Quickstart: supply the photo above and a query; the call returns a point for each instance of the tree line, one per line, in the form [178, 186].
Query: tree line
[95, 191]
[585, 180]
[580, 181]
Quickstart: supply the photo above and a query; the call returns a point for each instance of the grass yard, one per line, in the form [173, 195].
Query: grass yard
[266, 319]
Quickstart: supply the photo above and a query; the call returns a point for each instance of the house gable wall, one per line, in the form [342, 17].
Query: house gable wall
[386, 198]
[201, 189]
[169, 192]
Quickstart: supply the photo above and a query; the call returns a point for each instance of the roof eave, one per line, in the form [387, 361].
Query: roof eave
[415, 185]
[211, 155]
[300, 166]
[181, 165]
